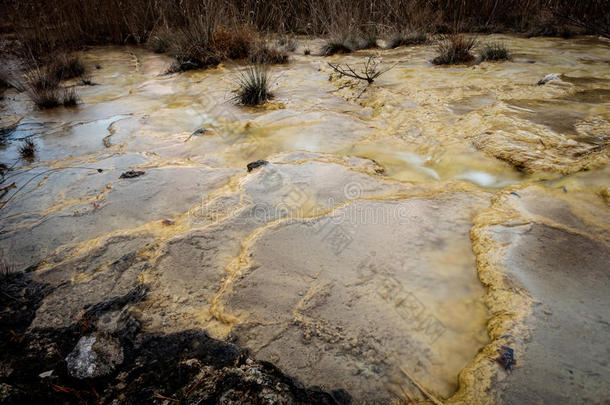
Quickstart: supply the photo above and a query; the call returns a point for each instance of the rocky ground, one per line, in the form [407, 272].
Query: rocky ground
[105, 357]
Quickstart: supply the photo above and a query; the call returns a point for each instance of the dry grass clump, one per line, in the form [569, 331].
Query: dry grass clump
[190, 47]
[454, 49]
[201, 45]
[289, 44]
[70, 97]
[495, 52]
[356, 44]
[27, 150]
[45, 98]
[365, 38]
[263, 53]
[348, 38]
[403, 38]
[334, 46]
[42, 86]
[42, 83]
[66, 66]
[253, 86]
[232, 44]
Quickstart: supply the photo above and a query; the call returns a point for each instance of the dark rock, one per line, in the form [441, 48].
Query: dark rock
[256, 164]
[131, 174]
[200, 131]
[506, 358]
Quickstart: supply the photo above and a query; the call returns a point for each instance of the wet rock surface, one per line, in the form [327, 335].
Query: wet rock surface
[447, 191]
[554, 250]
[351, 302]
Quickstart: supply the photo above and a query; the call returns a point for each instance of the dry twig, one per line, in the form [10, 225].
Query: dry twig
[368, 73]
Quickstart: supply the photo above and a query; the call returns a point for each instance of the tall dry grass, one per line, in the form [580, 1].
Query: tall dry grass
[118, 21]
[44, 27]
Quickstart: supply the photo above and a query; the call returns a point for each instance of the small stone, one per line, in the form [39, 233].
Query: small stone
[46, 374]
[94, 356]
[200, 131]
[131, 174]
[256, 164]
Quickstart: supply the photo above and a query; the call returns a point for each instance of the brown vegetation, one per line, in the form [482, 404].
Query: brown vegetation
[114, 21]
[66, 66]
[204, 44]
[70, 24]
[42, 86]
[454, 49]
[263, 53]
[202, 33]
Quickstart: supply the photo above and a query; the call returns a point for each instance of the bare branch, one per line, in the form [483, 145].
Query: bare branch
[368, 73]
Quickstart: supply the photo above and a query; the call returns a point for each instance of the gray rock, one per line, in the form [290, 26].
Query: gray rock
[94, 356]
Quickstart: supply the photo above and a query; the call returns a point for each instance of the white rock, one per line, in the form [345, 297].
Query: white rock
[549, 78]
[94, 356]
[46, 374]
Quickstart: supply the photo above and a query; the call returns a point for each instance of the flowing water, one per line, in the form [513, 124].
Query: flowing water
[369, 248]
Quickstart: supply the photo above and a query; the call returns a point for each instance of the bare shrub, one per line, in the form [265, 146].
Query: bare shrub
[369, 72]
